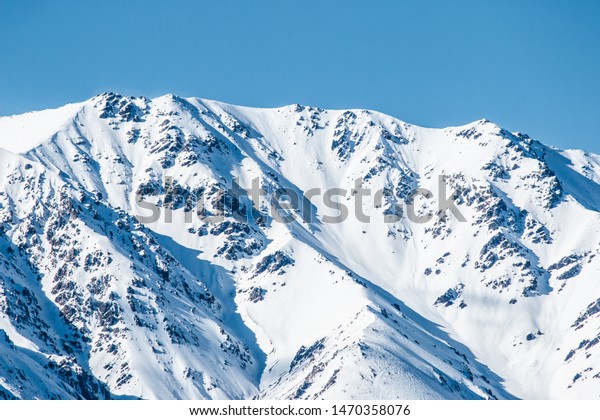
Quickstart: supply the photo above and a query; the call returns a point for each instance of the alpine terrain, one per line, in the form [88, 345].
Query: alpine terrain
[470, 270]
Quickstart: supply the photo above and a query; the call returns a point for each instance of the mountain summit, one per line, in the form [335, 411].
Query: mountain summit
[136, 263]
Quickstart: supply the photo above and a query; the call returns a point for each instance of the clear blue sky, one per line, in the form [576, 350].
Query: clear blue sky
[532, 66]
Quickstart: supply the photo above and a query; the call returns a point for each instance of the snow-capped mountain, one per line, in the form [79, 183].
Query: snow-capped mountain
[495, 296]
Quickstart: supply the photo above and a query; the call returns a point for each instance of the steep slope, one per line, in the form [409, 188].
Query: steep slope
[492, 296]
[87, 283]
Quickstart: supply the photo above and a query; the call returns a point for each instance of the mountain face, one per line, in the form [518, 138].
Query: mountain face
[131, 266]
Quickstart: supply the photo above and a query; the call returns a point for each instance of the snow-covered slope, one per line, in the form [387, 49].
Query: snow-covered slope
[496, 298]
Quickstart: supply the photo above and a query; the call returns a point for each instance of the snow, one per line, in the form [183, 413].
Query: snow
[20, 133]
[351, 311]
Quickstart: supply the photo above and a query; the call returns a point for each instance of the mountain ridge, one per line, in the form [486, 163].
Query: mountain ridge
[307, 309]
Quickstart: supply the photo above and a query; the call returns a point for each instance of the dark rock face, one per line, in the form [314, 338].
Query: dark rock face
[273, 263]
[451, 295]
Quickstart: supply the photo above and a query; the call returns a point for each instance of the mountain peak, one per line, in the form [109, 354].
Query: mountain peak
[132, 266]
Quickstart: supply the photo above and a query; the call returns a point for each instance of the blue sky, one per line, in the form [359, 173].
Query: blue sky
[531, 66]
